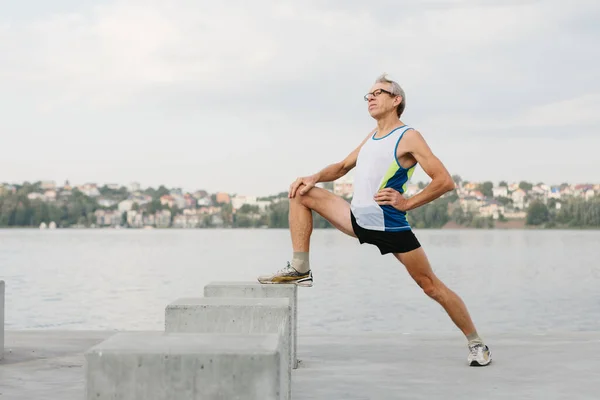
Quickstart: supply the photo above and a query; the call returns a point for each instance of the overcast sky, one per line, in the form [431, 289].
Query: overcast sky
[243, 96]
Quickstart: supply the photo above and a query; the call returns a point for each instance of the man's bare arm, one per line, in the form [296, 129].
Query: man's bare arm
[441, 181]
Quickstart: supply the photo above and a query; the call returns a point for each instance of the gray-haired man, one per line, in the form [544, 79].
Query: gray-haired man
[384, 161]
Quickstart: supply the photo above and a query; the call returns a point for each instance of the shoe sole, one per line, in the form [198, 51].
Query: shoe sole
[297, 283]
[475, 363]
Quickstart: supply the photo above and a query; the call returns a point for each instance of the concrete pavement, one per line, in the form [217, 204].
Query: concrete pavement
[50, 365]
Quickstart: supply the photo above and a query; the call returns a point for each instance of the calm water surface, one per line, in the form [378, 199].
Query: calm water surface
[531, 281]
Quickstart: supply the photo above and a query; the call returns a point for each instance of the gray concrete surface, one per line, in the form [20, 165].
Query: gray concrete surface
[235, 315]
[160, 366]
[50, 365]
[258, 290]
[1, 319]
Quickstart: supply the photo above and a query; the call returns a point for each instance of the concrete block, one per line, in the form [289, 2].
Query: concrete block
[1, 320]
[234, 315]
[162, 366]
[258, 290]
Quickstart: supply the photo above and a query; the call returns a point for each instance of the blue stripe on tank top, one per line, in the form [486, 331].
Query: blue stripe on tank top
[395, 220]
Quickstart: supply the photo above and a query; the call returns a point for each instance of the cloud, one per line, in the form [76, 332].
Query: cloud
[208, 77]
[581, 110]
[117, 51]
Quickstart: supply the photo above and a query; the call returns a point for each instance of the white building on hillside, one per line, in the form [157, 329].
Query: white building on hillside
[344, 186]
[500, 191]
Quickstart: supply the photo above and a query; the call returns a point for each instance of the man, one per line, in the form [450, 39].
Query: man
[384, 162]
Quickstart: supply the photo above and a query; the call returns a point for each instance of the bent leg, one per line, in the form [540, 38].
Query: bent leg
[418, 267]
[333, 208]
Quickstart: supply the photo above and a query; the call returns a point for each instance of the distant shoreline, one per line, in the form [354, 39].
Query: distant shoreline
[504, 226]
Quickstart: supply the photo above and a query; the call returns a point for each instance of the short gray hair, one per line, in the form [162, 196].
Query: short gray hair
[396, 90]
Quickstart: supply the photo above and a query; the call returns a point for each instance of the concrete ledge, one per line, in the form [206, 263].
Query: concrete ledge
[1, 320]
[258, 290]
[234, 315]
[161, 366]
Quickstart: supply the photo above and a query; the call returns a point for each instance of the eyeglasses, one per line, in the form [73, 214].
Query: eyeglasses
[376, 93]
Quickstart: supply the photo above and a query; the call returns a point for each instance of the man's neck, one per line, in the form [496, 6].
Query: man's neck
[385, 125]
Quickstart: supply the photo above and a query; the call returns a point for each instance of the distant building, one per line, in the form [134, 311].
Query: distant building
[200, 194]
[103, 202]
[492, 208]
[125, 205]
[190, 201]
[108, 218]
[588, 194]
[223, 198]
[90, 190]
[50, 195]
[412, 189]
[204, 202]
[167, 200]
[470, 204]
[48, 185]
[554, 193]
[518, 198]
[500, 191]
[36, 196]
[163, 219]
[134, 187]
[344, 186]
[135, 219]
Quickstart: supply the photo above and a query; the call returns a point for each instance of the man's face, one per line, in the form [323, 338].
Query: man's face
[380, 102]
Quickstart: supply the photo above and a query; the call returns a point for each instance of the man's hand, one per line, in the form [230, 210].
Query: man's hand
[391, 197]
[308, 181]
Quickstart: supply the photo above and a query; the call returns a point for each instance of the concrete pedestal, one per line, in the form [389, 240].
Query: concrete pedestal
[258, 290]
[234, 315]
[161, 366]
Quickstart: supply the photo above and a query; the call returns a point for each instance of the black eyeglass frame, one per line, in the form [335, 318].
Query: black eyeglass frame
[377, 92]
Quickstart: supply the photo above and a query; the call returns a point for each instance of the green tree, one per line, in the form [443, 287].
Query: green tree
[328, 185]
[526, 186]
[248, 209]
[537, 214]
[486, 189]
[278, 214]
[504, 200]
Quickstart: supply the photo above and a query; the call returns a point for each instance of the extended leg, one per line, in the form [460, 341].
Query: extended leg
[418, 267]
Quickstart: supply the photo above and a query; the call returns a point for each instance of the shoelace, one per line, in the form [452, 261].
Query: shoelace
[475, 349]
[286, 268]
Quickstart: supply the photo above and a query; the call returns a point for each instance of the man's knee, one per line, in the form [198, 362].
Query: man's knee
[306, 199]
[430, 287]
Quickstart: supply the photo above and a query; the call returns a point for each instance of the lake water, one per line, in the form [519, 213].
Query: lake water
[511, 280]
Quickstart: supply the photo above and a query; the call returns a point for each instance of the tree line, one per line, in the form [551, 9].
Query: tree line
[78, 209]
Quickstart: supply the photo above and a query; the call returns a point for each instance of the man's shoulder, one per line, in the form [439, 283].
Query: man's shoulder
[412, 133]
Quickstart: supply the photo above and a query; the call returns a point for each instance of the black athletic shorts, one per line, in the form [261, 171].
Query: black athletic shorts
[387, 242]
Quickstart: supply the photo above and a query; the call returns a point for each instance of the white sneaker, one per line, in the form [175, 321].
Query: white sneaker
[479, 355]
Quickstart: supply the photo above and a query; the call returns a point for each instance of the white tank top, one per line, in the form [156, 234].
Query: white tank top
[377, 167]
